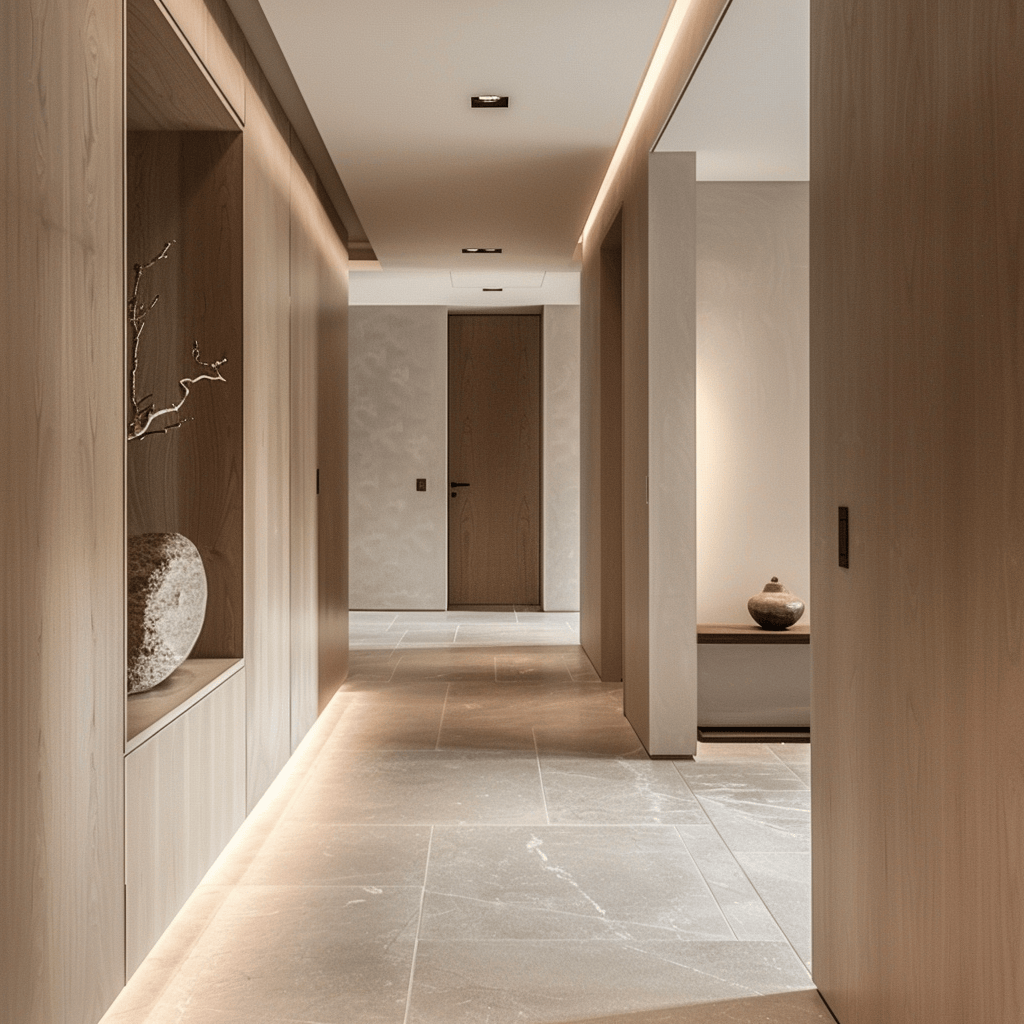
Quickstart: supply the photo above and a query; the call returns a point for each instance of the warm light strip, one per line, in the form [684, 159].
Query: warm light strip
[654, 71]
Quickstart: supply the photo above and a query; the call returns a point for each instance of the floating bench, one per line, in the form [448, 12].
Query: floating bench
[754, 680]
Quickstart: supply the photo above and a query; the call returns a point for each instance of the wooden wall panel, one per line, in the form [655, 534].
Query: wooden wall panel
[917, 313]
[304, 303]
[184, 799]
[188, 187]
[628, 197]
[62, 519]
[332, 446]
[267, 434]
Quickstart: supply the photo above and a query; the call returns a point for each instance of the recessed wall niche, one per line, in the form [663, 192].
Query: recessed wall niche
[184, 182]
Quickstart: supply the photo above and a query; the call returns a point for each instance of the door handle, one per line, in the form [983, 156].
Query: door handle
[454, 484]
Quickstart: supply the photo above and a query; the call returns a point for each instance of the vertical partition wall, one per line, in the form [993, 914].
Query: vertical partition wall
[94, 179]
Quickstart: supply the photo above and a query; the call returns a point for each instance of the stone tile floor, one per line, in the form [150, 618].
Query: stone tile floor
[473, 833]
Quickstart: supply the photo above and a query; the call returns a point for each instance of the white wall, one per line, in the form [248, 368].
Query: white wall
[398, 431]
[752, 394]
[560, 438]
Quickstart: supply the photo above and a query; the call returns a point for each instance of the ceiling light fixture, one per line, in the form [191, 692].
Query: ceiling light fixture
[668, 39]
[493, 289]
[488, 101]
[480, 252]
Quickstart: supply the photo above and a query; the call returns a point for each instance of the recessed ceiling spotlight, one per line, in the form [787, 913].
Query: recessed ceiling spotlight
[480, 252]
[488, 101]
[493, 289]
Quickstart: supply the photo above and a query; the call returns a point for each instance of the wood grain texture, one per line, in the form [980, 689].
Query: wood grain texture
[62, 519]
[188, 186]
[169, 88]
[332, 447]
[628, 198]
[494, 445]
[717, 633]
[917, 307]
[305, 295]
[184, 799]
[267, 434]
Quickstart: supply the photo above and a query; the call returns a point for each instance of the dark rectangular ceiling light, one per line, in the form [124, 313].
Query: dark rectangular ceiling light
[479, 252]
[493, 289]
[488, 101]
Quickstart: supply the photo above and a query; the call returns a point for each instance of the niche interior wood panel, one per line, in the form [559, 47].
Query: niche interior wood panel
[303, 464]
[184, 799]
[62, 518]
[186, 186]
[916, 379]
[332, 445]
[168, 86]
[267, 434]
[494, 446]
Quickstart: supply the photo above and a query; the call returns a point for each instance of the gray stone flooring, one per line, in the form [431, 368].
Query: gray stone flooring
[473, 833]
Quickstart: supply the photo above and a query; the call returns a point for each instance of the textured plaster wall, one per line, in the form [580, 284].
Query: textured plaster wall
[753, 386]
[560, 580]
[398, 402]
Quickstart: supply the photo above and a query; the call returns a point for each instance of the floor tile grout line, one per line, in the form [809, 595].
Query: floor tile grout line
[540, 775]
[743, 871]
[789, 767]
[419, 925]
[707, 885]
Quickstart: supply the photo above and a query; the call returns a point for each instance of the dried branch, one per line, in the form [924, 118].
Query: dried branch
[143, 415]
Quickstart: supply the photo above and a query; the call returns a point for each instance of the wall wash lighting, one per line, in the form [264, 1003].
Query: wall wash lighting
[488, 101]
[480, 252]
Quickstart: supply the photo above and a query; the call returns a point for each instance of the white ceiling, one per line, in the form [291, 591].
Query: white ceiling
[388, 83]
[746, 111]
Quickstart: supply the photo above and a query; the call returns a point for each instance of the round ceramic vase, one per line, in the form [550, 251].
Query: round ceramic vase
[775, 607]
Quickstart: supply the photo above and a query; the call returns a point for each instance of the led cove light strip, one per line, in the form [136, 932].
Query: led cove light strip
[673, 27]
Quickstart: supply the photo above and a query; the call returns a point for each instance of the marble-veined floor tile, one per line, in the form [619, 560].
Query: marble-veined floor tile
[514, 636]
[803, 1006]
[791, 753]
[616, 791]
[783, 881]
[738, 777]
[603, 731]
[369, 666]
[302, 853]
[370, 722]
[422, 788]
[624, 883]
[325, 954]
[743, 908]
[358, 618]
[518, 665]
[549, 982]
[761, 820]
[734, 752]
[802, 772]
[452, 663]
[424, 636]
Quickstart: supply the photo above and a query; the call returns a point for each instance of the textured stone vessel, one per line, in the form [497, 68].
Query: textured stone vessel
[775, 607]
[166, 606]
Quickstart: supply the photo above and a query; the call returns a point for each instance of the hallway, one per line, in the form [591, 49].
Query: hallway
[472, 833]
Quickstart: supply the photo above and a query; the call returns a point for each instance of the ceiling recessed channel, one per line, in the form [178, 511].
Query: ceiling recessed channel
[474, 251]
[488, 101]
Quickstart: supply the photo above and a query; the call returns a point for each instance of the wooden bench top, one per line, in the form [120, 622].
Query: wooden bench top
[717, 633]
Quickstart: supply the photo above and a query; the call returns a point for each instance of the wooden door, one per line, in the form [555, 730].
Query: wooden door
[494, 450]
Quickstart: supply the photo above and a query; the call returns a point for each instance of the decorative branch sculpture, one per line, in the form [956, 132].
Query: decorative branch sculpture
[143, 415]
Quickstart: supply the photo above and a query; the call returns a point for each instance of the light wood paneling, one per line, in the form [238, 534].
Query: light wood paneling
[184, 799]
[628, 197]
[916, 425]
[494, 446]
[332, 445]
[303, 516]
[62, 519]
[188, 186]
[267, 435]
[165, 91]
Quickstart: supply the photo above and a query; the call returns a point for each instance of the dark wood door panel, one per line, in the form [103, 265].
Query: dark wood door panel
[494, 447]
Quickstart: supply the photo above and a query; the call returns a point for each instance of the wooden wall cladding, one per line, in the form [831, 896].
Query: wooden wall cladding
[188, 186]
[184, 799]
[332, 445]
[267, 417]
[626, 198]
[62, 519]
[917, 226]
[303, 514]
